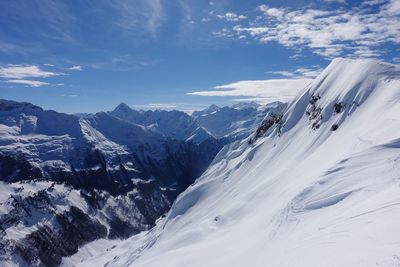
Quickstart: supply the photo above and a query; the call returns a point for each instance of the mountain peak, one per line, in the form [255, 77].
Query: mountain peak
[213, 107]
[122, 107]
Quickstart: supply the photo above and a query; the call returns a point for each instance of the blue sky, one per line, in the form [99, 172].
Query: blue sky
[90, 55]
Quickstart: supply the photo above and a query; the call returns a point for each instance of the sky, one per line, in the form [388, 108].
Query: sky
[91, 55]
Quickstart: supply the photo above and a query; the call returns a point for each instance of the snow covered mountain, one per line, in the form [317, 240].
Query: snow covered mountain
[318, 186]
[173, 124]
[67, 180]
[226, 124]
[236, 122]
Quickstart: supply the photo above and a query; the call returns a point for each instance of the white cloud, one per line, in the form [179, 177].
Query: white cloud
[357, 31]
[155, 10]
[259, 100]
[30, 83]
[23, 74]
[308, 72]
[299, 73]
[231, 16]
[268, 90]
[284, 73]
[223, 33]
[373, 2]
[75, 68]
[273, 12]
[23, 71]
[67, 95]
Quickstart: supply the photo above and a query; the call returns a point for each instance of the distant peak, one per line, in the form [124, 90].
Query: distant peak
[213, 107]
[123, 107]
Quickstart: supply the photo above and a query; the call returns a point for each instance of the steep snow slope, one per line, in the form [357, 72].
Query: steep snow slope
[320, 188]
[236, 122]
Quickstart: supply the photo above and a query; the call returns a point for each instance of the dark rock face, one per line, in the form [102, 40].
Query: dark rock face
[14, 169]
[314, 112]
[59, 232]
[48, 246]
[271, 120]
[338, 107]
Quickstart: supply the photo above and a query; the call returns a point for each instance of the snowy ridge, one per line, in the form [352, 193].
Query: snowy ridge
[321, 184]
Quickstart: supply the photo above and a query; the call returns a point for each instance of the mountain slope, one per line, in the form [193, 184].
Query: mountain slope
[321, 187]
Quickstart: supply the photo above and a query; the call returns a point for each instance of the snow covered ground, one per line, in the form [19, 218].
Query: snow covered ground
[322, 189]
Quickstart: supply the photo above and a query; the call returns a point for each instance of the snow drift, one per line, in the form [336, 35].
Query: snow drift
[321, 187]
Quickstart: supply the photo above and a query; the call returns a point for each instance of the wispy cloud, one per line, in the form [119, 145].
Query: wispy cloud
[30, 83]
[68, 95]
[155, 14]
[273, 12]
[357, 31]
[50, 19]
[142, 14]
[299, 73]
[75, 68]
[9, 48]
[267, 90]
[308, 72]
[25, 71]
[28, 74]
[231, 16]
[283, 73]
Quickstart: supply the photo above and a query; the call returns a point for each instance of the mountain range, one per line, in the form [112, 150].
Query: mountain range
[67, 180]
[317, 185]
